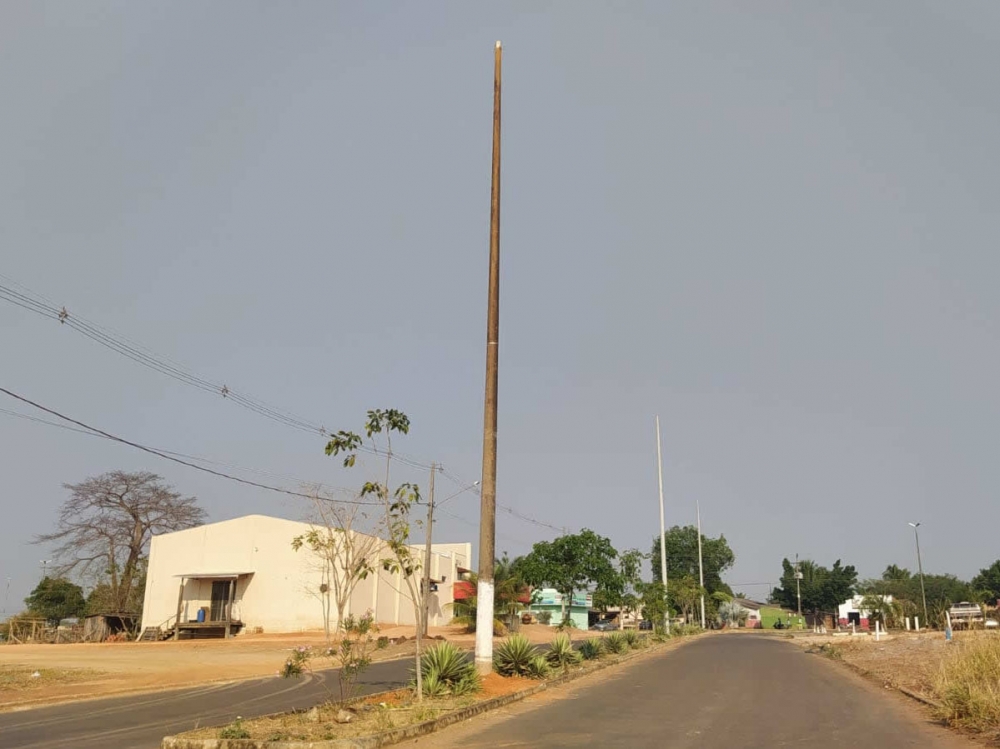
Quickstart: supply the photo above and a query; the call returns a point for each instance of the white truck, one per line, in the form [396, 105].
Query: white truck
[964, 615]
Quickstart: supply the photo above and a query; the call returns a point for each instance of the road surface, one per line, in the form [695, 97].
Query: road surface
[141, 721]
[716, 693]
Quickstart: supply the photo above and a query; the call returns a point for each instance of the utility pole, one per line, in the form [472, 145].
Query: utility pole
[701, 569]
[45, 568]
[663, 532]
[798, 589]
[920, 568]
[426, 603]
[488, 505]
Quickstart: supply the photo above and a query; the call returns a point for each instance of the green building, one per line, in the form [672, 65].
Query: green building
[550, 600]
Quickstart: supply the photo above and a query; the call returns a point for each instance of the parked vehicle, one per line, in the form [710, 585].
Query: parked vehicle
[965, 614]
[646, 624]
[604, 625]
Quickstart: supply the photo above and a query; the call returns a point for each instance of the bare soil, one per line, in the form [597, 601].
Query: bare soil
[86, 670]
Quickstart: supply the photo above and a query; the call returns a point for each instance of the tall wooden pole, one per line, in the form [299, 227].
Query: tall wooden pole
[487, 516]
[425, 607]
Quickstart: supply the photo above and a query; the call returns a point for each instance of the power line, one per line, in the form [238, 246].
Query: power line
[140, 354]
[509, 510]
[166, 456]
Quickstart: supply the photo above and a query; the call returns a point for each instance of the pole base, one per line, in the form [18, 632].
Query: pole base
[484, 667]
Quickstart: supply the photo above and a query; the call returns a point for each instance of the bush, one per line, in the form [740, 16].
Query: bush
[616, 643]
[561, 653]
[632, 638]
[514, 656]
[544, 617]
[538, 668]
[444, 670]
[685, 630]
[234, 730]
[969, 685]
[592, 649]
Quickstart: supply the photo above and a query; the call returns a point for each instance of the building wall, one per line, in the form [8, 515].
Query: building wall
[281, 591]
[549, 599]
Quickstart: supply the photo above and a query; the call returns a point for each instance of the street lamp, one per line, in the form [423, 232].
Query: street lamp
[920, 568]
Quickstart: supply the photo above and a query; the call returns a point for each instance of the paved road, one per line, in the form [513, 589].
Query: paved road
[716, 693]
[139, 722]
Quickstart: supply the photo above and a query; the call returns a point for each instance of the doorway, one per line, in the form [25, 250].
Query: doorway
[220, 600]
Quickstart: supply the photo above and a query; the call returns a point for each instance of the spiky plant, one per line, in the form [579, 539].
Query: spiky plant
[632, 638]
[561, 653]
[513, 656]
[592, 649]
[538, 668]
[616, 643]
[446, 666]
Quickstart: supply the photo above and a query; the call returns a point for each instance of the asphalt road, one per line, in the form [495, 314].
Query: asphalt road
[716, 693]
[141, 721]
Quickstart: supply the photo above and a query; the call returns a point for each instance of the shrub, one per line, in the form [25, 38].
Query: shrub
[632, 638]
[544, 617]
[592, 649]
[968, 685]
[538, 668]
[513, 657]
[561, 653]
[616, 643]
[234, 730]
[565, 624]
[444, 668]
[685, 630]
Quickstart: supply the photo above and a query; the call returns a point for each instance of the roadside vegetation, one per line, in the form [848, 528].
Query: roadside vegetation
[968, 685]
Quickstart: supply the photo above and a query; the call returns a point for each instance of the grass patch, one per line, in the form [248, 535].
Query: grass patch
[23, 679]
[968, 685]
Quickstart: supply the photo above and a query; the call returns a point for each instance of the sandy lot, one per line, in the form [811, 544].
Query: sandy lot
[78, 671]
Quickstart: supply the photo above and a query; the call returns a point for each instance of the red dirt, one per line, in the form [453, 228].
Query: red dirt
[495, 685]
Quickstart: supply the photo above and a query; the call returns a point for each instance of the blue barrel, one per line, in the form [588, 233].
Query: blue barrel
[201, 616]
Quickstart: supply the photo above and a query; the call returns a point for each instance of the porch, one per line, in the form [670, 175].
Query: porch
[219, 618]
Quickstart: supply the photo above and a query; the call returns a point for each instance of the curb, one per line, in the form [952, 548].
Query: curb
[420, 729]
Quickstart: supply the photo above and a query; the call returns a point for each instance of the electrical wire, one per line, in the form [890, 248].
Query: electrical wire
[167, 456]
[140, 354]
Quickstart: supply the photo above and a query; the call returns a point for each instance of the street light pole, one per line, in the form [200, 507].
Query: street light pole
[798, 587]
[663, 532]
[920, 569]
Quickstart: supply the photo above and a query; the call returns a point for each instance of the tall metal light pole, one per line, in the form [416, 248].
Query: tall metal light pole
[798, 587]
[488, 505]
[701, 570]
[920, 569]
[663, 532]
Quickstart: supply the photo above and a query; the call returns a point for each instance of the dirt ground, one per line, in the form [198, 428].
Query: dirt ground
[904, 659]
[76, 671]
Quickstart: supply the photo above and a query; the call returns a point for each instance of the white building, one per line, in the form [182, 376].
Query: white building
[852, 612]
[245, 570]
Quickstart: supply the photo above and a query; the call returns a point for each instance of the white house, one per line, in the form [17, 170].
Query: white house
[245, 571]
[851, 612]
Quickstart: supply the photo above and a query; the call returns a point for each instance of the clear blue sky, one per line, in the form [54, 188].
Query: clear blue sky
[774, 224]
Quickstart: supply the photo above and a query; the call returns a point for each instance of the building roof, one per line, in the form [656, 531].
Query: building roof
[748, 604]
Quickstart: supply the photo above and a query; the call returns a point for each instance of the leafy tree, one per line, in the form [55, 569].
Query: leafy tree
[685, 593]
[106, 524]
[896, 574]
[509, 589]
[942, 591]
[653, 602]
[395, 505]
[573, 562]
[822, 589]
[56, 598]
[682, 557]
[988, 580]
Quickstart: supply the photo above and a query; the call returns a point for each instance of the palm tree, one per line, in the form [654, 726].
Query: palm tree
[508, 589]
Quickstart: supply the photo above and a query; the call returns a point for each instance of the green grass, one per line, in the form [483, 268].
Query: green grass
[770, 614]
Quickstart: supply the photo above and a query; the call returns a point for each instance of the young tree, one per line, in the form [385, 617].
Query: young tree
[395, 506]
[56, 598]
[682, 557]
[570, 563]
[107, 522]
[685, 593]
[343, 555]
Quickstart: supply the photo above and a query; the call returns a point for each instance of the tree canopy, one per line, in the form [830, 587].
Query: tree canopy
[682, 557]
[988, 580]
[106, 524]
[572, 562]
[56, 598]
[822, 589]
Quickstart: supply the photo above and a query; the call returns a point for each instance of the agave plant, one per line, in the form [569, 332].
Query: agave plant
[632, 638]
[616, 643]
[445, 670]
[514, 655]
[592, 649]
[538, 667]
[561, 653]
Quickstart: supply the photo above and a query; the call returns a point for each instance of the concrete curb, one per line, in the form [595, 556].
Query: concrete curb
[420, 729]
